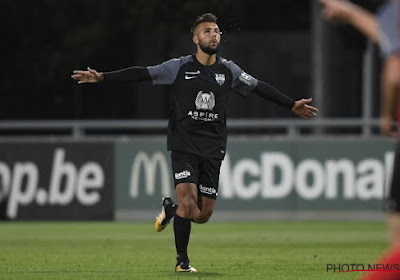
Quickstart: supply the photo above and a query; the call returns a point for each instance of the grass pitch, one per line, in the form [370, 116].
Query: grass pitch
[219, 250]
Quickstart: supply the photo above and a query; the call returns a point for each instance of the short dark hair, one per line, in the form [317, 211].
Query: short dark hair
[208, 17]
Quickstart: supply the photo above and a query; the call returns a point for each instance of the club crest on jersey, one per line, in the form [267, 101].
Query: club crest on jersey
[205, 101]
[220, 78]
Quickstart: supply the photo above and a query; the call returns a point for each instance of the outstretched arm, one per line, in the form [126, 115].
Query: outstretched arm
[390, 90]
[358, 17]
[300, 107]
[131, 74]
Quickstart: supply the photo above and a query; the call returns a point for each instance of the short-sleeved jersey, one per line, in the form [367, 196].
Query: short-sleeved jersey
[389, 39]
[197, 122]
[389, 26]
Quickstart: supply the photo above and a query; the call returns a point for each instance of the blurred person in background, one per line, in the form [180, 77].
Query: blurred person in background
[197, 130]
[384, 29]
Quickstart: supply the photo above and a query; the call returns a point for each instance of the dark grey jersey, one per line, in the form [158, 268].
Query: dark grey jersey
[197, 122]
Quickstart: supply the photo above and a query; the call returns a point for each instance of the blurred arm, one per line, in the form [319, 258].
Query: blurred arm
[390, 90]
[360, 18]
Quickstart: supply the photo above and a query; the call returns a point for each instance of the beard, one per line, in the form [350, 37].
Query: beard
[208, 49]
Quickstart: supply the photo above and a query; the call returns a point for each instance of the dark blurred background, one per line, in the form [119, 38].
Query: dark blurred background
[44, 40]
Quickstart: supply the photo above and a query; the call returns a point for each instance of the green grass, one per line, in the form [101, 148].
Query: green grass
[239, 250]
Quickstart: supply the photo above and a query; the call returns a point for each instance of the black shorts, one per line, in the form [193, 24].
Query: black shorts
[191, 168]
[393, 203]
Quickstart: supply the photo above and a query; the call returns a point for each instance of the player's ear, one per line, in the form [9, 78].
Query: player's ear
[195, 39]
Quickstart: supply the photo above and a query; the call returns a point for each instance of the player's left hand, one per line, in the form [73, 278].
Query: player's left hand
[303, 110]
[89, 76]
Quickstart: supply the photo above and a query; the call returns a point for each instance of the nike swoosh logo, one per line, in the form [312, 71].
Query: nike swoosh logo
[190, 77]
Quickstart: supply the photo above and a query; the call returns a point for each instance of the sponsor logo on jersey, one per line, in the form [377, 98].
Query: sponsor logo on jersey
[208, 190]
[205, 100]
[191, 75]
[182, 175]
[203, 116]
[220, 78]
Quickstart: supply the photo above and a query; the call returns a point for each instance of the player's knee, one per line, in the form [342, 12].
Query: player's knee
[204, 217]
[187, 205]
[188, 201]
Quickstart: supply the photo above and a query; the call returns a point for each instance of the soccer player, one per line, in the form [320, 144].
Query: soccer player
[384, 29]
[197, 130]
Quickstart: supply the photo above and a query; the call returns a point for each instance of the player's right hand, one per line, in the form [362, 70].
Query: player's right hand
[89, 76]
[386, 126]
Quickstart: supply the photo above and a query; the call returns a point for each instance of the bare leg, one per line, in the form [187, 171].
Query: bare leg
[191, 206]
[394, 228]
